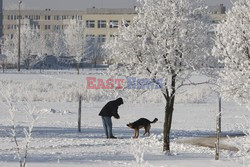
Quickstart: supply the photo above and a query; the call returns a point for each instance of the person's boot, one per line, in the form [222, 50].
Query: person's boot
[113, 137]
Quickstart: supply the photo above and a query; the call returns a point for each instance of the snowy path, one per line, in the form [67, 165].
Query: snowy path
[210, 141]
[56, 141]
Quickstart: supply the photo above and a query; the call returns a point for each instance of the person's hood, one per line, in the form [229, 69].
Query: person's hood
[119, 101]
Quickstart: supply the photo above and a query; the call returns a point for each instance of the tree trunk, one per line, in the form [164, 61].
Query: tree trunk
[167, 123]
[78, 65]
[3, 65]
[170, 99]
[95, 63]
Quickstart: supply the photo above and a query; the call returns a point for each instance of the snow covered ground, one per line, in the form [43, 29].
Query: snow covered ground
[56, 142]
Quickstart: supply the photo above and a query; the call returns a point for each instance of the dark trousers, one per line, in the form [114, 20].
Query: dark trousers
[107, 125]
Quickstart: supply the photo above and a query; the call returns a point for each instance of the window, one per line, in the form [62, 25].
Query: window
[126, 23]
[57, 27]
[102, 24]
[113, 24]
[90, 23]
[47, 27]
[37, 17]
[36, 27]
[47, 17]
[113, 36]
[79, 17]
[90, 37]
[101, 38]
[64, 17]
[12, 27]
[57, 17]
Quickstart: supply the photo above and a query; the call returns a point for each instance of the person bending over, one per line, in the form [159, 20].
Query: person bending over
[109, 110]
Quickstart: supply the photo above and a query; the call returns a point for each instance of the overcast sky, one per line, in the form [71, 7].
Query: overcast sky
[83, 4]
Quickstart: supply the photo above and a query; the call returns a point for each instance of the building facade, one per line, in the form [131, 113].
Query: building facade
[100, 23]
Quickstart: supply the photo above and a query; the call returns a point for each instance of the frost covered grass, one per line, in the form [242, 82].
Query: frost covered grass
[66, 86]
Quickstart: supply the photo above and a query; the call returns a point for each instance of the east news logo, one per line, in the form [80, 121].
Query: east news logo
[128, 83]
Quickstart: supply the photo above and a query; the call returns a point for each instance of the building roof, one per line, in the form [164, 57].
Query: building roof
[72, 12]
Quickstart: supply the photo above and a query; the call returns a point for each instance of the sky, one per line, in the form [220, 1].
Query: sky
[83, 4]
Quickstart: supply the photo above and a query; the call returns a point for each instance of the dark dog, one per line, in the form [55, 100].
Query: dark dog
[141, 123]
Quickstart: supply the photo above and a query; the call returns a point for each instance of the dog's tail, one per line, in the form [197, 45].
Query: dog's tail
[154, 121]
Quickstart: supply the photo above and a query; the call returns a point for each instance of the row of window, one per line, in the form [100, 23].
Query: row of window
[89, 24]
[103, 23]
[91, 38]
[47, 17]
[57, 17]
[33, 17]
[56, 27]
[14, 27]
[99, 38]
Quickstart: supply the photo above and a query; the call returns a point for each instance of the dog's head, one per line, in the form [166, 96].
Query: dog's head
[130, 125]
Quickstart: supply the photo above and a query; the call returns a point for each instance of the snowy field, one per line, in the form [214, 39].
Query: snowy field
[56, 142]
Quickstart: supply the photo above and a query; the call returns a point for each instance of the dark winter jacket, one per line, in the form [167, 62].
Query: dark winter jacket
[111, 108]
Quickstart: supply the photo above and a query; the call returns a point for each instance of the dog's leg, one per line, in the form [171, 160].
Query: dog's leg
[137, 130]
[149, 126]
[134, 134]
[145, 127]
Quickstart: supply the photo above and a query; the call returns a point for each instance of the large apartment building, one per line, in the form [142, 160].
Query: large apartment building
[100, 23]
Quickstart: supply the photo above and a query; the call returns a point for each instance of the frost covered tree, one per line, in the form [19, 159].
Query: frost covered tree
[29, 43]
[76, 42]
[3, 61]
[233, 48]
[9, 49]
[51, 43]
[46, 42]
[59, 45]
[96, 52]
[167, 40]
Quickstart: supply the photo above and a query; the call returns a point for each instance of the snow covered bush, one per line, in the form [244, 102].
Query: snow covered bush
[233, 48]
[32, 115]
[140, 146]
[242, 143]
[167, 40]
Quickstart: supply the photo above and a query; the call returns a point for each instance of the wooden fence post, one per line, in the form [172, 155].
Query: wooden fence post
[220, 114]
[217, 143]
[79, 113]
